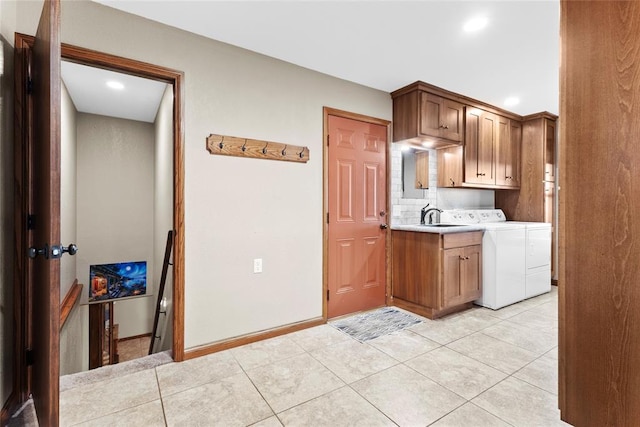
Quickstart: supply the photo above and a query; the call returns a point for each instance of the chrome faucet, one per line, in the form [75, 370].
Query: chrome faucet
[430, 211]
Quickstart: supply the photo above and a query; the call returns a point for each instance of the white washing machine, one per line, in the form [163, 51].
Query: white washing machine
[516, 256]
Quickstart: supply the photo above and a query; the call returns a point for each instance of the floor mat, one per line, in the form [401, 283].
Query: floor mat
[374, 324]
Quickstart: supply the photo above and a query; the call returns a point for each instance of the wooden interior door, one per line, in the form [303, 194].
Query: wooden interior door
[599, 204]
[356, 215]
[44, 186]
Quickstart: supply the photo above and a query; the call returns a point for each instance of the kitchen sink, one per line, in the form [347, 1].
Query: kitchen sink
[441, 225]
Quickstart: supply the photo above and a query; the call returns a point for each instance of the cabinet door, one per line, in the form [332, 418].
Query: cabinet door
[452, 293]
[471, 273]
[452, 116]
[550, 150]
[440, 117]
[430, 114]
[508, 152]
[480, 136]
[450, 167]
[422, 169]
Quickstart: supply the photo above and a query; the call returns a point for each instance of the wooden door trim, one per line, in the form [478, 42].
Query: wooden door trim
[326, 112]
[23, 44]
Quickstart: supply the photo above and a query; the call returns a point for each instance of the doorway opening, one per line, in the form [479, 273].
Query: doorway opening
[116, 205]
[28, 335]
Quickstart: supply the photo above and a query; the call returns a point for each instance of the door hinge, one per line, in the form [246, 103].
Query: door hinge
[327, 140]
[29, 86]
[31, 222]
[327, 217]
[327, 294]
[30, 357]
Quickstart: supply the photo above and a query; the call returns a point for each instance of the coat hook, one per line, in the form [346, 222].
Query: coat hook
[264, 150]
[244, 146]
[301, 154]
[284, 151]
[221, 145]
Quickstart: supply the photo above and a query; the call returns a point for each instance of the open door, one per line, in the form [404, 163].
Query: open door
[43, 315]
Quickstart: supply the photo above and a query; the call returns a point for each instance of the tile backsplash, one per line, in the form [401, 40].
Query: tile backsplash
[407, 211]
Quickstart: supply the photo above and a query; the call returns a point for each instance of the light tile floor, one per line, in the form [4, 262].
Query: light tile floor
[476, 368]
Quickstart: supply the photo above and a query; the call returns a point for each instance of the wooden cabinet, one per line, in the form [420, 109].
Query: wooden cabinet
[436, 274]
[422, 169]
[461, 276]
[424, 118]
[450, 167]
[490, 157]
[479, 147]
[536, 198]
[440, 117]
[508, 153]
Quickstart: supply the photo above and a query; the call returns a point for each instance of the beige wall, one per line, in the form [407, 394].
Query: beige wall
[74, 345]
[68, 179]
[163, 210]
[115, 206]
[7, 28]
[236, 209]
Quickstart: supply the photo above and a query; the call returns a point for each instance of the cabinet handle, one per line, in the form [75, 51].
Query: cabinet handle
[508, 177]
[453, 183]
[443, 126]
[463, 258]
[480, 174]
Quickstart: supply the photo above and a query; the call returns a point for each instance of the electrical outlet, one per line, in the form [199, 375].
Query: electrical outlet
[257, 265]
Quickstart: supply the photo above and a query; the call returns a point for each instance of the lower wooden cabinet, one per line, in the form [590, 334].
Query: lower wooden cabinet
[462, 275]
[436, 274]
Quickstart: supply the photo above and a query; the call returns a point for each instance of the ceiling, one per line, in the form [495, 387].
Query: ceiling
[139, 98]
[389, 44]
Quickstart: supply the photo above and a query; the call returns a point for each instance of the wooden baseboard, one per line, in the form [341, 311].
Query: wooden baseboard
[135, 337]
[9, 407]
[250, 338]
[429, 313]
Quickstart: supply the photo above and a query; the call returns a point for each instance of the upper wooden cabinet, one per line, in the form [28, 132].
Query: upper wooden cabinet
[491, 156]
[440, 117]
[422, 169]
[481, 133]
[508, 153]
[424, 118]
[450, 167]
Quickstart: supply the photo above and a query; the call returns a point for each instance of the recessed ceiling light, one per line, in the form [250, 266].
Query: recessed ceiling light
[511, 101]
[476, 24]
[115, 85]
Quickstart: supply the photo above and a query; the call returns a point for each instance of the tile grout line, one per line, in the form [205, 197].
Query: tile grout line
[164, 414]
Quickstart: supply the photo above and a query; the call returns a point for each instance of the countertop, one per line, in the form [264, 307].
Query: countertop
[438, 230]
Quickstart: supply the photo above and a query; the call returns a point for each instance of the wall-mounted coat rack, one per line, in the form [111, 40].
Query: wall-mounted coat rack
[243, 147]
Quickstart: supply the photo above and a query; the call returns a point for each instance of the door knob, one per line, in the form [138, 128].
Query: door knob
[383, 226]
[58, 251]
[72, 249]
[34, 252]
